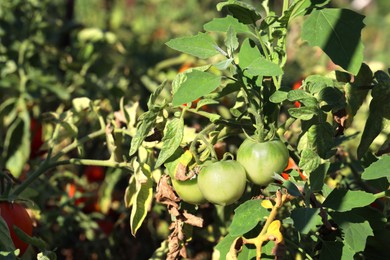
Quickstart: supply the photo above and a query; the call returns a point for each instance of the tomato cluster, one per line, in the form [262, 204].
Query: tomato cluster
[224, 182]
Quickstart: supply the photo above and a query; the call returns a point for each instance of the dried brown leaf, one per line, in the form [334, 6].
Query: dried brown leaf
[192, 219]
[165, 193]
[181, 172]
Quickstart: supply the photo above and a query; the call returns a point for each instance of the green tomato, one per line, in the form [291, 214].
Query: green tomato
[222, 182]
[189, 191]
[262, 160]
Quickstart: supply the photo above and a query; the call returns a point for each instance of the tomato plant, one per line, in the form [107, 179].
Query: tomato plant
[167, 155]
[15, 214]
[262, 160]
[222, 182]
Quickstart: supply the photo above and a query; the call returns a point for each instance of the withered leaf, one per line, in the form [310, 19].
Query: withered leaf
[192, 219]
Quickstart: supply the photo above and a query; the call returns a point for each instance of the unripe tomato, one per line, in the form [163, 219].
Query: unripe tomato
[189, 191]
[222, 182]
[16, 215]
[262, 160]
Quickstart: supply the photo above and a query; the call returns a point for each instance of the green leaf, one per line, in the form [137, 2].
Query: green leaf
[378, 169]
[332, 99]
[303, 7]
[148, 121]
[200, 45]
[309, 160]
[372, 129]
[142, 199]
[302, 96]
[247, 216]
[173, 135]
[292, 188]
[278, 97]
[317, 177]
[379, 112]
[248, 253]
[130, 192]
[154, 96]
[205, 102]
[344, 200]
[335, 250]
[305, 219]
[223, 25]
[322, 137]
[34, 241]
[244, 12]
[354, 228]
[337, 32]
[223, 65]
[17, 144]
[223, 247]
[315, 83]
[195, 84]
[303, 113]
[357, 91]
[5, 238]
[253, 64]
[231, 41]
[181, 77]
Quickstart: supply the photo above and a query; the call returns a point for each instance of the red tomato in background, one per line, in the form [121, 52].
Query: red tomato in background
[88, 202]
[185, 67]
[292, 166]
[36, 138]
[94, 173]
[106, 226]
[16, 214]
[295, 86]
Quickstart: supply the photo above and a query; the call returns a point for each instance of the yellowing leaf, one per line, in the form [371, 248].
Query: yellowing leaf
[266, 204]
[273, 232]
[142, 198]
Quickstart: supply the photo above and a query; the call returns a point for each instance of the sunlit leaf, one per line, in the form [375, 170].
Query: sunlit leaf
[143, 196]
[355, 229]
[247, 216]
[278, 96]
[195, 84]
[223, 247]
[304, 113]
[173, 135]
[337, 32]
[378, 169]
[309, 160]
[223, 24]
[252, 63]
[200, 45]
